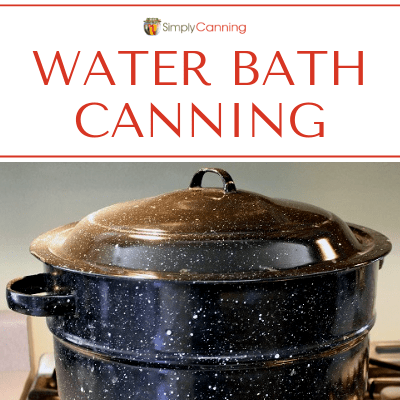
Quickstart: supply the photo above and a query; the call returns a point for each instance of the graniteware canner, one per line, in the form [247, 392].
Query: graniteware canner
[207, 293]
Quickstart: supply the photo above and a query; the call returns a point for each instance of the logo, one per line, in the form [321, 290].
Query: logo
[152, 26]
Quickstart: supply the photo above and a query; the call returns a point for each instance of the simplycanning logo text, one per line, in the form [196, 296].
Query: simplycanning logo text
[152, 27]
[204, 27]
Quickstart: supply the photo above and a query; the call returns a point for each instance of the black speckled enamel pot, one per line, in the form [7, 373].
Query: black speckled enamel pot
[207, 294]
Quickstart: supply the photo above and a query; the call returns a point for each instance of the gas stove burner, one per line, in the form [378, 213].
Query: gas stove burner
[384, 371]
[44, 386]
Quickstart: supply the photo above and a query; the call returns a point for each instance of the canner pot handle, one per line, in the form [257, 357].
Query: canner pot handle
[35, 295]
[227, 181]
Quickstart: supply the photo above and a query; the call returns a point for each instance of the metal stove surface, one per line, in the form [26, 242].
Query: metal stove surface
[383, 377]
[384, 371]
[44, 386]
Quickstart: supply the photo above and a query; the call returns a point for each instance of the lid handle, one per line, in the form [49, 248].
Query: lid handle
[227, 181]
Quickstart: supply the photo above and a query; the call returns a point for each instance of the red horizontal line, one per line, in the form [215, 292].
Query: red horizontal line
[199, 5]
[200, 156]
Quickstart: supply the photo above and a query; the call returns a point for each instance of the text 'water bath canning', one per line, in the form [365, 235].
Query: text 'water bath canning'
[207, 293]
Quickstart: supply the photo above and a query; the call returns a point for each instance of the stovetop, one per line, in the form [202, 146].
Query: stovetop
[383, 377]
[384, 371]
[44, 386]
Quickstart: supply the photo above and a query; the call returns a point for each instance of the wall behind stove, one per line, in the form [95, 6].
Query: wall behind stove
[36, 197]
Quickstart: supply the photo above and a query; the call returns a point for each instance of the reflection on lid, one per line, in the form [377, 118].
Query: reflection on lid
[326, 249]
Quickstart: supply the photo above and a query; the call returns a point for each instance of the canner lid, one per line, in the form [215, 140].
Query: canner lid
[210, 234]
